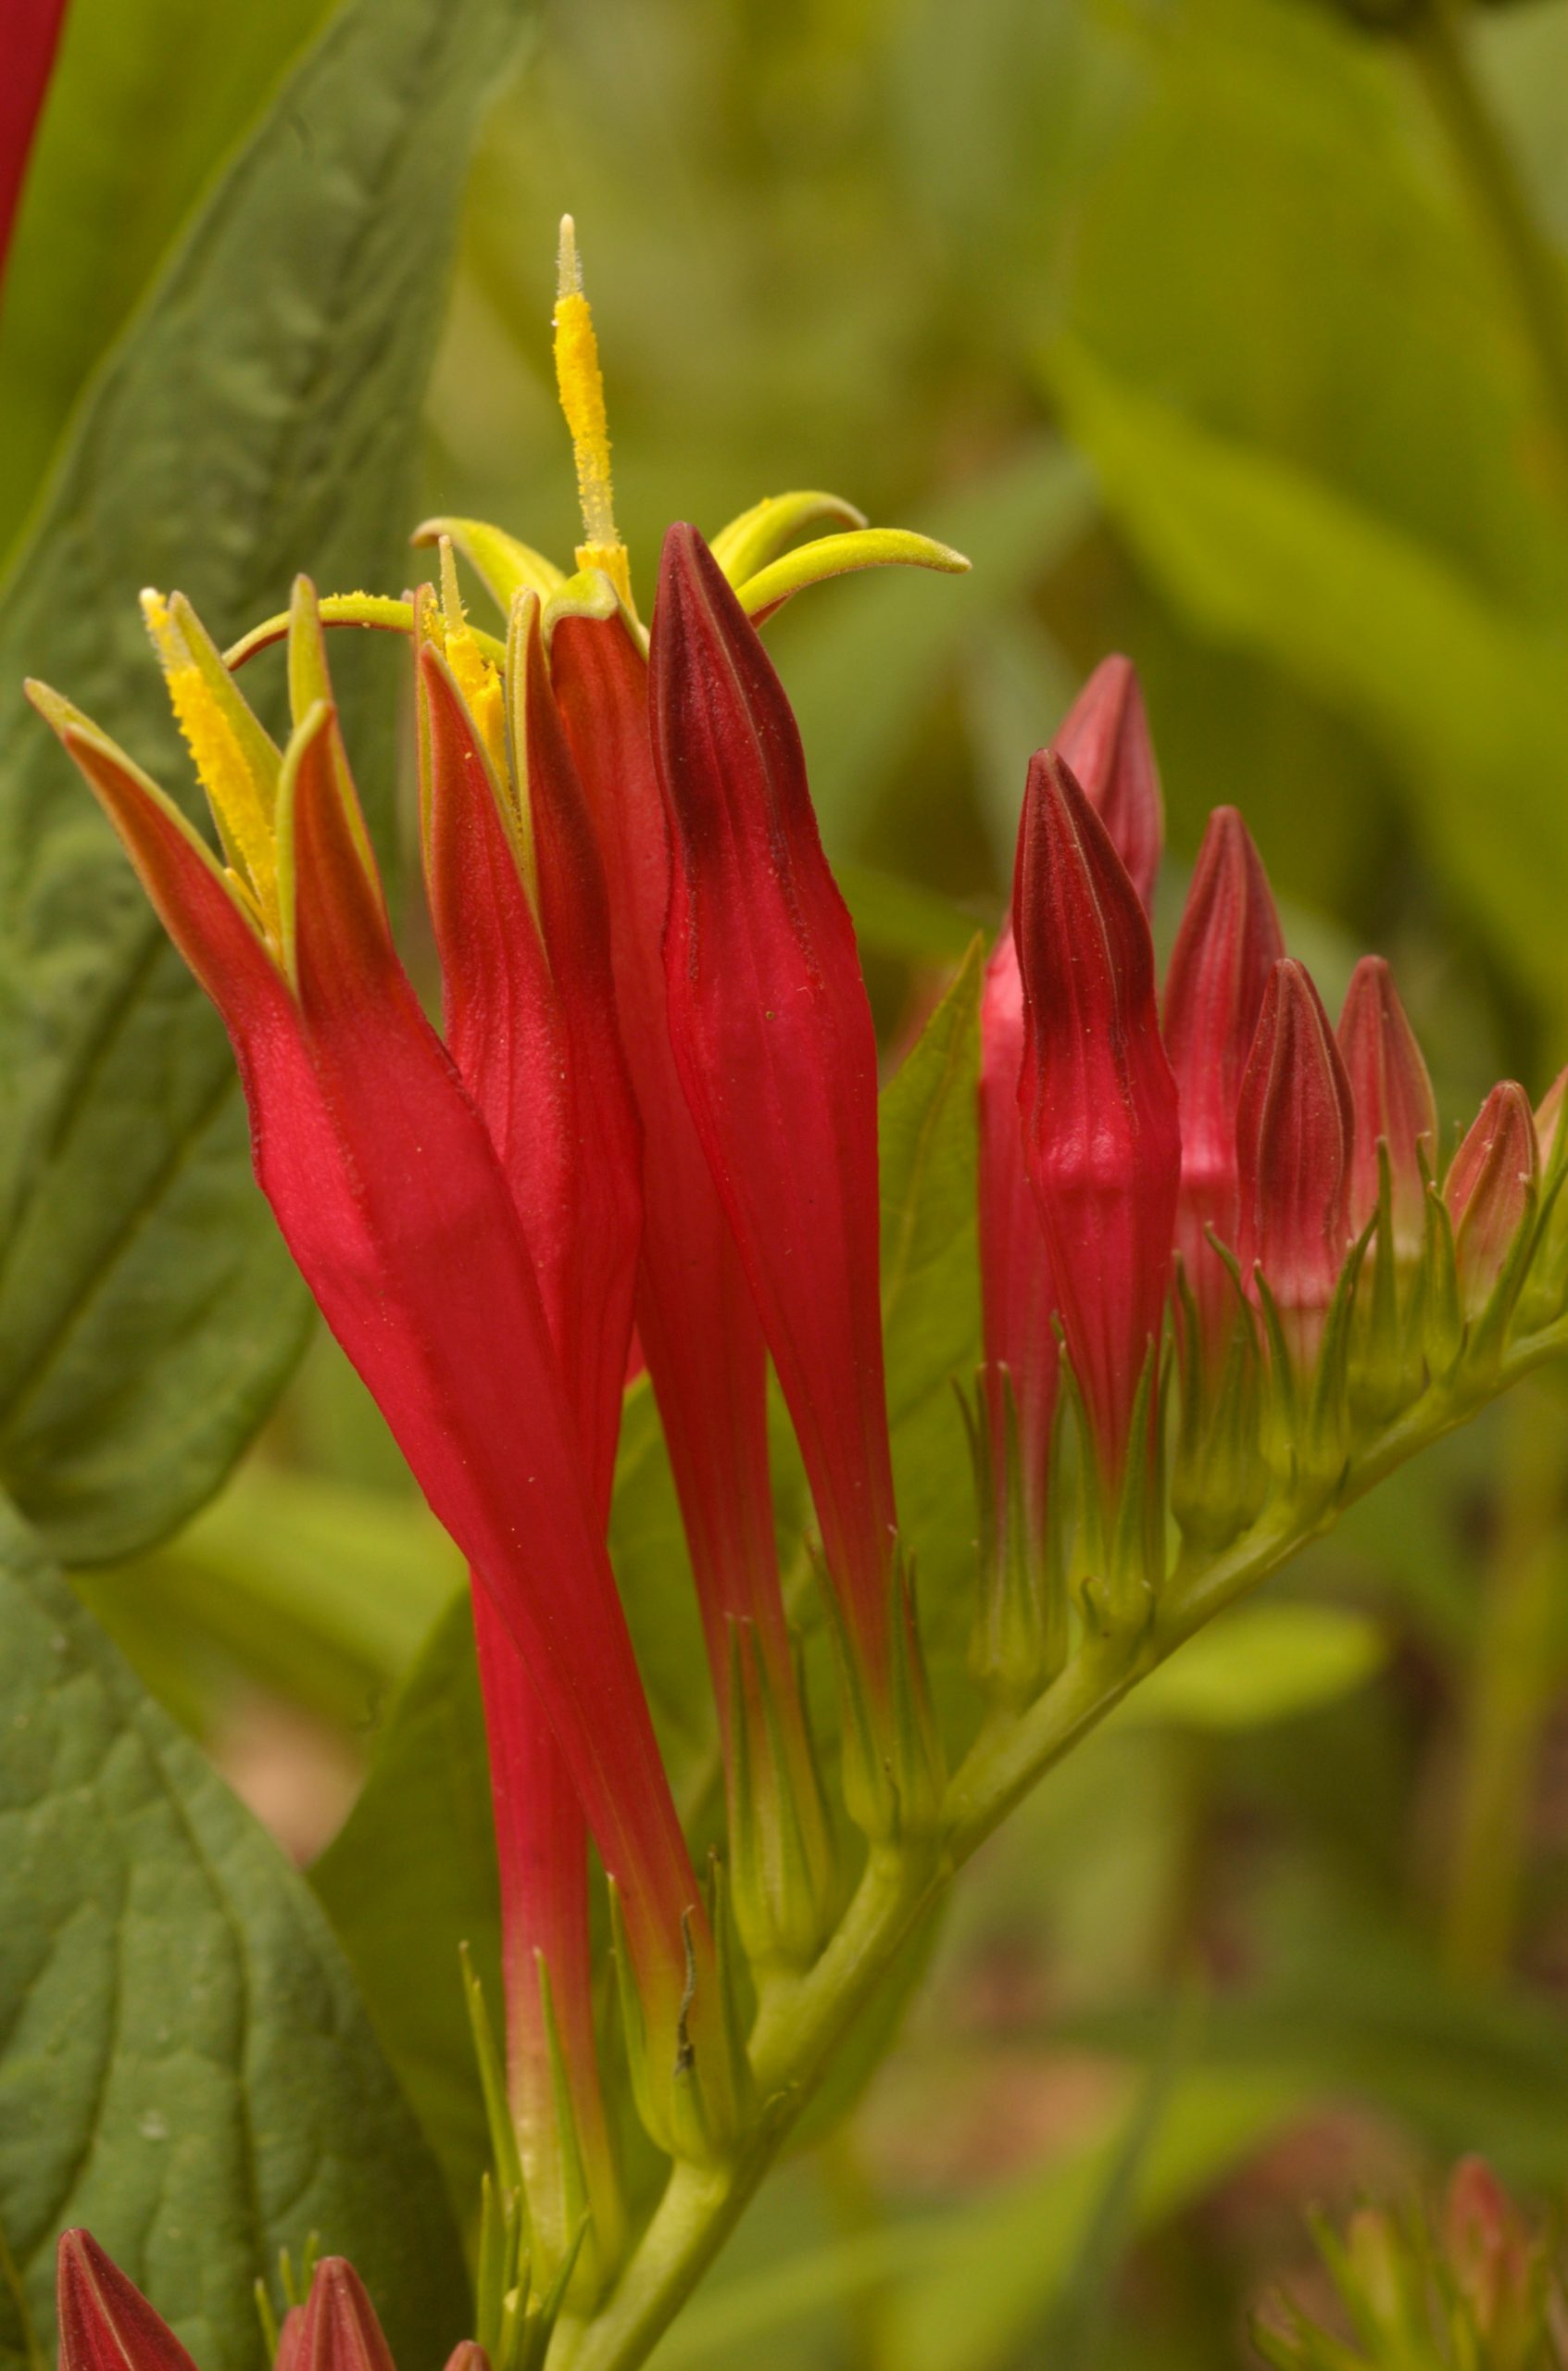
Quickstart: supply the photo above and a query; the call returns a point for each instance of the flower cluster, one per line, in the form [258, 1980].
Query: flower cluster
[646, 1132]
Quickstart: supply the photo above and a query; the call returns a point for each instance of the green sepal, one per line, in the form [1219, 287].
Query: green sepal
[1281, 1427]
[492, 2080]
[1386, 1370]
[1324, 1449]
[868, 1785]
[919, 1774]
[784, 1897]
[1135, 1565]
[1442, 1328]
[503, 566]
[830, 556]
[1019, 1634]
[693, 2125]
[1220, 1477]
[1487, 1335]
[573, 2232]
[1544, 1293]
[759, 535]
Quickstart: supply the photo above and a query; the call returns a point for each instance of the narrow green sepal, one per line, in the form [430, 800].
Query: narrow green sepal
[493, 2081]
[1386, 1369]
[1281, 1426]
[1018, 1636]
[784, 1892]
[1220, 1479]
[690, 2122]
[868, 1785]
[1544, 1292]
[501, 2274]
[571, 2225]
[1487, 1336]
[1325, 1448]
[1135, 1565]
[919, 1777]
[1442, 1314]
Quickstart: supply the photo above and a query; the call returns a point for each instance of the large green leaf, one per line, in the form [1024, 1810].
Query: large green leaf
[199, 73]
[261, 417]
[184, 2064]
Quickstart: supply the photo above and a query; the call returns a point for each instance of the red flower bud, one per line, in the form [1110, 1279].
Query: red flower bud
[1392, 1096]
[1549, 1116]
[1099, 1102]
[777, 1054]
[1486, 2243]
[1294, 1134]
[1104, 741]
[340, 2331]
[1488, 1191]
[1228, 943]
[1018, 1297]
[106, 2323]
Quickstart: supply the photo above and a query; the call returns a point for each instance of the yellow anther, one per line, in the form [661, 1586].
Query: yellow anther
[236, 800]
[582, 387]
[478, 681]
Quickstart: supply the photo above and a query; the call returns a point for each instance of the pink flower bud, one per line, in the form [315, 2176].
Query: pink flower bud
[1104, 740]
[1228, 943]
[1101, 1137]
[1392, 1096]
[1488, 1191]
[1548, 1117]
[1018, 1297]
[106, 2323]
[340, 2331]
[1294, 1134]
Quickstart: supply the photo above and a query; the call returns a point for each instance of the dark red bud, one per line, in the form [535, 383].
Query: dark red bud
[1392, 1096]
[1488, 1190]
[1101, 1137]
[1104, 740]
[106, 2323]
[1294, 1132]
[340, 2331]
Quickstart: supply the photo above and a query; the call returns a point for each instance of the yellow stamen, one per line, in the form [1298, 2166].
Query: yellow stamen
[478, 681]
[582, 387]
[232, 793]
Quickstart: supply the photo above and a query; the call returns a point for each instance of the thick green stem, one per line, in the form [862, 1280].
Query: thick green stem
[803, 2020]
[1438, 43]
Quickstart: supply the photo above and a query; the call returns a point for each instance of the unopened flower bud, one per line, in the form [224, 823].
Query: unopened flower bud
[1105, 743]
[1294, 1135]
[1228, 943]
[106, 2323]
[1548, 1118]
[1487, 2248]
[340, 2331]
[1098, 1101]
[1392, 1096]
[1489, 1190]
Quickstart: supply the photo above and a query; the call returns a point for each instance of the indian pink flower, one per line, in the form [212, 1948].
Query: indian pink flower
[1226, 947]
[1294, 1131]
[1098, 1099]
[775, 1048]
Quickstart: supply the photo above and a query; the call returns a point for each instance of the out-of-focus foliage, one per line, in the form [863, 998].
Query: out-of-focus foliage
[1181, 319]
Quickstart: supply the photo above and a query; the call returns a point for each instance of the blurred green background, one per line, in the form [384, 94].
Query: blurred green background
[1228, 332]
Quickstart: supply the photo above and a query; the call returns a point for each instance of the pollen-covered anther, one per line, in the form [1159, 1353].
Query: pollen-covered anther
[580, 382]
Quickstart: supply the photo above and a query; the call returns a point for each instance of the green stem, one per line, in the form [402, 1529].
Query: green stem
[1440, 46]
[802, 2020]
[1512, 1688]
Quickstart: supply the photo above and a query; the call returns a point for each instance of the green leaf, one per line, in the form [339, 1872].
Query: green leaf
[200, 74]
[1259, 1664]
[1467, 699]
[262, 416]
[185, 2066]
[409, 1878]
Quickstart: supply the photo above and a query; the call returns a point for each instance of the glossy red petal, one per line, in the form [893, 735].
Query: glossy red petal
[1017, 1293]
[1097, 1095]
[32, 36]
[106, 2323]
[1104, 740]
[696, 1322]
[1228, 943]
[1392, 1094]
[777, 1054]
[1295, 1133]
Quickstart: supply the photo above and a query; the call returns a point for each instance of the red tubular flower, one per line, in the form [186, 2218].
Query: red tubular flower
[1294, 1132]
[106, 2323]
[392, 1199]
[340, 2331]
[1391, 1093]
[1228, 943]
[777, 1054]
[529, 1020]
[1105, 744]
[1488, 1189]
[1098, 1099]
[696, 1322]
